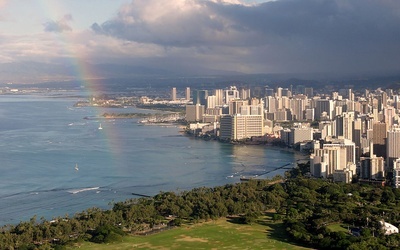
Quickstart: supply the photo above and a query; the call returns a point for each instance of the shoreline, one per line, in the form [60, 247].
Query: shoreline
[266, 145]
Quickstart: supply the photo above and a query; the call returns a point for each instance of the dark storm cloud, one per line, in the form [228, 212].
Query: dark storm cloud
[287, 35]
[58, 26]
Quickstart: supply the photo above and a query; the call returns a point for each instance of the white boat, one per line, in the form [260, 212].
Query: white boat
[76, 167]
[100, 126]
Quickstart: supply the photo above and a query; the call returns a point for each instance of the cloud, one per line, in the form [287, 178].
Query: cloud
[203, 36]
[59, 25]
[283, 35]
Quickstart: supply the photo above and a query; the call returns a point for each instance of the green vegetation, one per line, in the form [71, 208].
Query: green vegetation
[128, 115]
[178, 108]
[216, 234]
[310, 212]
[339, 227]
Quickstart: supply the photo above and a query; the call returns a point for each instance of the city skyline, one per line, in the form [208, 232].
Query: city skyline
[55, 40]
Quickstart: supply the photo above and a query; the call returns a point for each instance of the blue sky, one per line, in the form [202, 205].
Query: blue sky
[197, 37]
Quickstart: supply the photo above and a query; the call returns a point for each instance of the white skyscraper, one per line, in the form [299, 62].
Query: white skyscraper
[187, 93]
[270, 104]
[396, 173]
[173, 94]
[392, 146]
[345, 125]
[219, 95]
[332, 159]
[211, 101]
[231, 94]
[238, 127]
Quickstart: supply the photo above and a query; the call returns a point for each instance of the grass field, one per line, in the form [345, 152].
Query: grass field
[219, 234]
[338, 227]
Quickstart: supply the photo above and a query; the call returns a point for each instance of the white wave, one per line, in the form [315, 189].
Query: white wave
[77, 124]
[75, 191]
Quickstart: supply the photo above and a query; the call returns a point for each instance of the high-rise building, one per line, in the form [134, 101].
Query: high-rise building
[226, 128]
[319, 165]
[278, 103]
[173, 94]
[309, 114]
[372, 167]
[324, 105]
[231, 94]
[211, 101]
[244, 94]
[396, 173]
[238, 127]
[300, 134]
[219, 95]
[343, 175]
[284, 102]
[350, 105]
[217, 111]
[326, 129]
[298, 106]
[278, 92]
[357, 135]
[234, 106]
[350, 95]
[332, 158]
[271, 104]
[200, 97]
[194, 113]
[392, 147]
[345, 125]
[335, 96]
[187, 94]
[348, 146]
[379, 135]
[389, 113]
[382, 101]
[252, 110]
[283, 115]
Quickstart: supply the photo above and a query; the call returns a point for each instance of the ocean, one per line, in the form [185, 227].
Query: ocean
[43, 137]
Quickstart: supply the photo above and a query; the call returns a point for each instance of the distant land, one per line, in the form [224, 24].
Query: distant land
[127, 84]
[61, 73]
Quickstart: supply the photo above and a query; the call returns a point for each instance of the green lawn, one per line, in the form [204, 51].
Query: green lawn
[219, 234]
[338, 227]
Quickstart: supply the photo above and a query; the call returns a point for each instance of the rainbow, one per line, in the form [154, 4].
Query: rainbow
[76, 55]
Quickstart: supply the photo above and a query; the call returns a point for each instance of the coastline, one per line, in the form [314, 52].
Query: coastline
[256, 144]
[291, 150]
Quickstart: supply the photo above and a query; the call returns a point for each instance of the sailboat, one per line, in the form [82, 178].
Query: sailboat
[100, 126]
[76, 167]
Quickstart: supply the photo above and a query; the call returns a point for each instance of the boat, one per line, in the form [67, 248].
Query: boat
[100, 126]
[76, 167]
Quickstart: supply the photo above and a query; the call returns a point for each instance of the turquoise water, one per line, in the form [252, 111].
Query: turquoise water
[42, 138]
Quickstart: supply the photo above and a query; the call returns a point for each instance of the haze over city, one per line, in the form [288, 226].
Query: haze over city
[60, 40]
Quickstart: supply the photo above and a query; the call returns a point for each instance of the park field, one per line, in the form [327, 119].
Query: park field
[216, 234]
